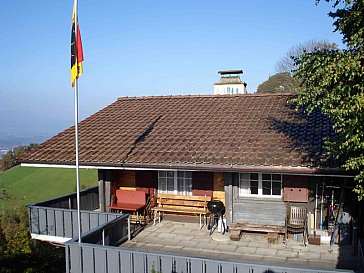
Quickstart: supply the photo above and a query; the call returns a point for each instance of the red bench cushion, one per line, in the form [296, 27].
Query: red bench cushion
[131, 197]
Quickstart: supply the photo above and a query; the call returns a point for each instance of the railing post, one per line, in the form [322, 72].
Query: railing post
[103, 236]
[129, 235]
[360, 265]
[67, 259]
[38, 220]
[30, 220]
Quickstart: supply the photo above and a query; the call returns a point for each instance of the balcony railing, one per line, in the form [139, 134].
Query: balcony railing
[89, 200]
[56, 219]
[99, 253]
[102, 234]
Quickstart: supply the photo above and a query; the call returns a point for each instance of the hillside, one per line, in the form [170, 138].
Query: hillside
[26, 185]
[279, 83]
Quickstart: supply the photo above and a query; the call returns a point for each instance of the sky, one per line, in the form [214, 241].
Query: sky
[139, 48]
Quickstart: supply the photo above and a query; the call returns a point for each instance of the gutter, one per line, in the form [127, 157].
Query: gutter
[335, 172]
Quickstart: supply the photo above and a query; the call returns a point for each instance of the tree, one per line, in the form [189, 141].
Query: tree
[279, 83]
[14, 228]
[333, 80]
[9, 160]
[19, 253]
[6, 161]
[287, 64]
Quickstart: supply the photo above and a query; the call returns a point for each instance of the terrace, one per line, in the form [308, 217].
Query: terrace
[182, 237]
[110, 244]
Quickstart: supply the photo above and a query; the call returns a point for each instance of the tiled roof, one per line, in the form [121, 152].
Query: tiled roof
[195, 132]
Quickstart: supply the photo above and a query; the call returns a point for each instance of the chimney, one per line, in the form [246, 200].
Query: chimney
[230, 83]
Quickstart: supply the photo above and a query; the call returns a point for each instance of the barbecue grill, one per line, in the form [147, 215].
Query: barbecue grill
[217, 211]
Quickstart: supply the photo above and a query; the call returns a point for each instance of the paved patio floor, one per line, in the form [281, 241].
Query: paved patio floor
[187, 239]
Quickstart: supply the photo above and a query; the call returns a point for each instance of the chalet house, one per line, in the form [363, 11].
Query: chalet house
[255, 153]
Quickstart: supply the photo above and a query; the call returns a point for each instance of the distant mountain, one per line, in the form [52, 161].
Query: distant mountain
[10, 141]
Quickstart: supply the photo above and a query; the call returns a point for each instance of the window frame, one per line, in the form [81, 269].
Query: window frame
[245, 185]
[177, 177]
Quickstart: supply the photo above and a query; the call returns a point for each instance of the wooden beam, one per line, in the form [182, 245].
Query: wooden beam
[107, 189]
[101, 190]
[228, 187]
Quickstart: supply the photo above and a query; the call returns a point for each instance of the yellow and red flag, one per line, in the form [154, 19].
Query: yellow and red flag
[76, 47]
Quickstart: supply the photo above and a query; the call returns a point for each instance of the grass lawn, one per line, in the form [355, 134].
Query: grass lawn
[27, 185]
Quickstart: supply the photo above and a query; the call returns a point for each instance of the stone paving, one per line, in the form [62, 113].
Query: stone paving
[187, 239]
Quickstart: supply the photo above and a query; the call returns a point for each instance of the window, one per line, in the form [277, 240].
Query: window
[259, 184]
[175, 182]
[166, 181]
[271, 184]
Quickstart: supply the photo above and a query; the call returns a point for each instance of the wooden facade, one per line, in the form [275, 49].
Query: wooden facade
[296, 189]
[203, 183]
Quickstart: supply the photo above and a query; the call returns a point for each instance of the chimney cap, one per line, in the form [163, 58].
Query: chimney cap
[225, 72]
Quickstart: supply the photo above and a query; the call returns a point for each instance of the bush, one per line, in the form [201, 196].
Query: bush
[9, 160]
[14, 229]
[19, 253]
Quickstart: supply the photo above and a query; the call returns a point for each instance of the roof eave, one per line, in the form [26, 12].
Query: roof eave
[196, 167]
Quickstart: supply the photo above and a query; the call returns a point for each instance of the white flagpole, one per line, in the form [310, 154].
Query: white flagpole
[77, 167]
[76, 138]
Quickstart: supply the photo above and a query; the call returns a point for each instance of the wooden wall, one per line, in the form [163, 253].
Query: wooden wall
[218, 187]
[255, 210]
[135, 180]
[146, 181]
[125, 179]
[203, 183]
[259, 211]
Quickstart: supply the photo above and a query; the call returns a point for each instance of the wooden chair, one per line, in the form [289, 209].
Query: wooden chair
[296, 222]
[152, 202]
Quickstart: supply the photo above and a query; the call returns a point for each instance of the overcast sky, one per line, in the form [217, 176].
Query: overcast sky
[139, 48]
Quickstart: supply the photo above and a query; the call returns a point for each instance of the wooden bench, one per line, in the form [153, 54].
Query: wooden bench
[181, 204]
[129, 200]
[272, 231]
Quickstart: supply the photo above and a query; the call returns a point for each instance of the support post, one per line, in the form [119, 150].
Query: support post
[228, 187]
[107, 189]
[129, 235]
[101, 190]
[103, 236]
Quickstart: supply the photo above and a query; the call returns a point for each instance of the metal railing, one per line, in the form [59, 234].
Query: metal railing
[99, 253]
[112, 233]
[108, 259]
[80, 257]
[361, 255]
[58, 217]
[63, 222]
[89, 200]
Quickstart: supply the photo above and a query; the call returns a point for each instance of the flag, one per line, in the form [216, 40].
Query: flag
[76, 48]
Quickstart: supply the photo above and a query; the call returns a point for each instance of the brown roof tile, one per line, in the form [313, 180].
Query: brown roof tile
[239, 130]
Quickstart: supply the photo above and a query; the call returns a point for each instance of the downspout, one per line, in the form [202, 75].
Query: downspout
[315, 218]
[322, 203]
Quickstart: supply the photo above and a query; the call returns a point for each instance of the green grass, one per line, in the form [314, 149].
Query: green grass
[27, 185]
